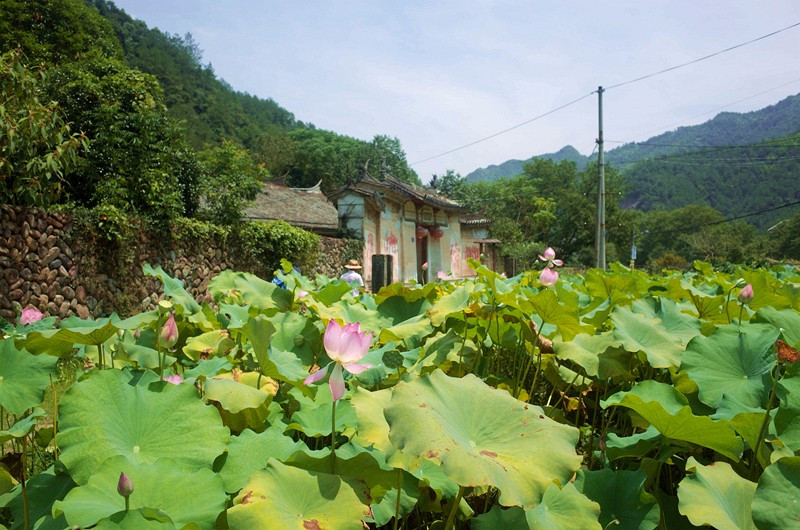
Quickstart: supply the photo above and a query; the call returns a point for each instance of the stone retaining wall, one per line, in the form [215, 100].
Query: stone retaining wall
[45, 262]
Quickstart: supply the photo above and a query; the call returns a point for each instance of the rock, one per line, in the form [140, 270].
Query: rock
[26, 273]
[55, 264]
[146, 301]
[67, 262]
[8, 314]
[63, 308]
[80, 294]
[68, 292]
[32, 256]
[83, 312]
[51, 255]
[91, 302]
[58, 299]
[16, 294]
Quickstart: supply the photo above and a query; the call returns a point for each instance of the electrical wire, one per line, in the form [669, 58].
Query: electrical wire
[743, 216]
[709, 56]
[517, 126]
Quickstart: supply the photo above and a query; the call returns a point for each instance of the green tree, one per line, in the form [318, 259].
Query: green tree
[233, 180]
[139, 161]
[37, 149]
[451, 184]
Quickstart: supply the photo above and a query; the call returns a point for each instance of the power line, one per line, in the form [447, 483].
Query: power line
[743, 216]
[722, 161]
[504, 130]
[714, 147]
[671, 68]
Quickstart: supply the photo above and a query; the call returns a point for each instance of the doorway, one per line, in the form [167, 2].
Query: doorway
[422, 257]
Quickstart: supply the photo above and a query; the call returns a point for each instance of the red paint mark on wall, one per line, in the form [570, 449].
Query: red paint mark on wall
[455, 258]
[473, 252]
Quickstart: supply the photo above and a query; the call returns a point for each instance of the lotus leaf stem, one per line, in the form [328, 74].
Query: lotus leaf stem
[397, 502]
[450, 518]
[333, 438]
[764, 423]
[55, 416]
[25, 511]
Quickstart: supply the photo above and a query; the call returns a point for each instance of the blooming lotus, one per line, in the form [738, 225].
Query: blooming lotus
[175, 379]
[345, 346]
[169, 333]
[746, 294]
[30, 315]
[550, 258]
[548, 277]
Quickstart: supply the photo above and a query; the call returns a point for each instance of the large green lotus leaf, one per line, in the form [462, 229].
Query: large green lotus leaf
[441, 349]
[451, 303]
[668, 411]
[297, 334]
[284, 497]
[787, 418]
[545, 305]
[332, 292]
[639, 332]
[481, 436]
[187, 495]
[209, 368]
[746, 421]
[621, 497]
[512, 518]
[602, 283]
[138, 321]
[246, 288]
[587, 352]
[139, 519]
[250, 451]
[23, 377]
[345, 312]
[173, 288]
[233, 316]
[143, 356]
[385, 361]
[38, 343]
[777, 500]
[633, 446]
[564, 509]
[240, 405]
[418, 326]
[679, 324]
[399, 309]
[43, 490]
[715, 495]
[314, 416]
[78, 331]
[787, 320]
[104, 416]
[22, 427]
[732, 363]
[216, 343]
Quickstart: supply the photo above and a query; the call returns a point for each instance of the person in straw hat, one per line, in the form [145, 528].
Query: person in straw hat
[352, 277]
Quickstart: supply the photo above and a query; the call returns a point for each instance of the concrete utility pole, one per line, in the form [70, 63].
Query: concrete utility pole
[600, 235]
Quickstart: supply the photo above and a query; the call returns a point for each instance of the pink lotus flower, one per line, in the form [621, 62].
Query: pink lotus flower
[746, 294]
[301, 293]
[442, 275]
[169, 333]
[425, 266]
[30, 315]
[175, 379]
[345, 345]
[550, 257]
[124, 485]
[548, 277]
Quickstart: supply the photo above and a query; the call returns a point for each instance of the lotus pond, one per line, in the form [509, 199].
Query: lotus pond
[612, 399]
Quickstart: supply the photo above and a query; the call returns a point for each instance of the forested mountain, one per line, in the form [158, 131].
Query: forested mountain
[512, 168]
[704, 164]
[158, 133]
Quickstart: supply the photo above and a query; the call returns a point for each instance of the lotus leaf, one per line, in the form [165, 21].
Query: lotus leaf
[787, 320]
[250, 289]
[140, 519]
[314, 416]
[715, 495]
[621, 497]
[512, 518]
[564, 509]
[638, 332]
[447, 305]
[669, 412]
[285, 497]
[249, 452]
[104, 416]
[297, 334]
[174, 289]
[240, 405]
[732, 363]
[546, 306]
[777, 500]
[186, 495]
[216, 343]
[23, 377]
[481, 436]
[787, 417]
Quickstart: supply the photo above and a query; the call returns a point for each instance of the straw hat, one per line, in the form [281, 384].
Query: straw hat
[352, 265]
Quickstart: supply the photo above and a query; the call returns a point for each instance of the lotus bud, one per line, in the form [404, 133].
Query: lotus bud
[425, 266]
[124, 486]
[30, 315]
[548, 277]
[746, 294]
[169, 333]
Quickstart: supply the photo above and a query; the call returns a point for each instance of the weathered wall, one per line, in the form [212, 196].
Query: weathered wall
[47, 262]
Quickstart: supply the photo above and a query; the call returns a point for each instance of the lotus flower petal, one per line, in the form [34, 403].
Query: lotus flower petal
[354, 368]
[353, 347]
[175, 379]
[558, 262]
[336, 382]
[746, 294]
[316, 376]
[548, 277]
[549, 254]
[30, 315]
[333, 338]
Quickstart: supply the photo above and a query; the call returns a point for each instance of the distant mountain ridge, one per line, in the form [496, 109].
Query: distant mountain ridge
[727, 128]
[735, 162]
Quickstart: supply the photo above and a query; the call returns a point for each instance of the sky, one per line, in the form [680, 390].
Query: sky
[439, 75]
